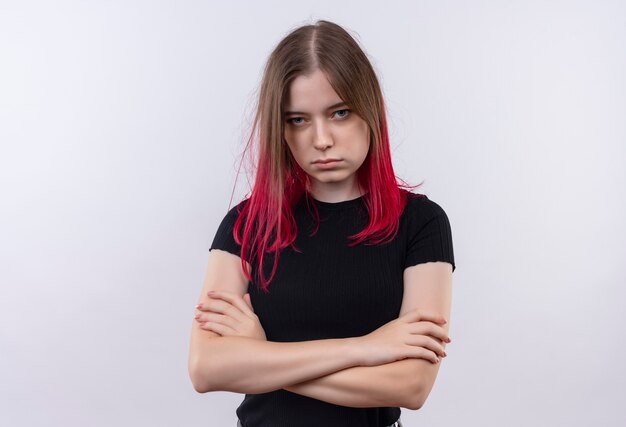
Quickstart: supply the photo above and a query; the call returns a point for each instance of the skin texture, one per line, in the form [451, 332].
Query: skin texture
[316, 132]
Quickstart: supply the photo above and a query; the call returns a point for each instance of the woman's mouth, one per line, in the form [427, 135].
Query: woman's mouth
[326, 164]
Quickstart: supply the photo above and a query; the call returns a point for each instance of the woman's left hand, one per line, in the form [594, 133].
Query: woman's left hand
[229, 314]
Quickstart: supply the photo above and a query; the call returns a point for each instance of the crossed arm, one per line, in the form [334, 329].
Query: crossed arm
[400, 383]
[404, 383]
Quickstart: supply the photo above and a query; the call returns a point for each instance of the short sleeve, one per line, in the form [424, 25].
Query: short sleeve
[224, 238]
[430, 233]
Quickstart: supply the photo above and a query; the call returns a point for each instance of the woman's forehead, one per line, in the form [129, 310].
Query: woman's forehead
[312, 93]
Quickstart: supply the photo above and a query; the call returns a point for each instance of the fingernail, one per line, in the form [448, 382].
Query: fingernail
[199, 306]
[197, 316]
[445, 354]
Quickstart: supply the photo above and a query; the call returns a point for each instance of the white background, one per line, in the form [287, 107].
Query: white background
[121, 123]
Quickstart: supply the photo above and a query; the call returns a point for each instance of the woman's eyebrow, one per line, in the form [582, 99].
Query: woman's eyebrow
[339, 104]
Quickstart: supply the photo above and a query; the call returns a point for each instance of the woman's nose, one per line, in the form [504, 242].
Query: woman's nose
[322, 138]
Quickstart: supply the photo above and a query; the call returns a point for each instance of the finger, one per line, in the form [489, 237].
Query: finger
[420, 314]
[206, 306]
[209, 303]
[423, 353]
[218, 305]
[429, 343]
[216, 318]
[233, 299]
[223, 330]
[429, 328]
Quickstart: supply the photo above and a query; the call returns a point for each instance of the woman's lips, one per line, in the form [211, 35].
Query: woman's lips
[327, 164]
[326, 160]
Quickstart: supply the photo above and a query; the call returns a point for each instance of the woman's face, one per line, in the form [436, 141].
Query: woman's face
[319, 127]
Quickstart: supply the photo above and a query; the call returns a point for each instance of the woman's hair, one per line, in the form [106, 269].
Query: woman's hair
[280, 182]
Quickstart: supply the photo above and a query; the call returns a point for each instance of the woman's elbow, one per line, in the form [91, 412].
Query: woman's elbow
[198, 376]
[415, 404]
[199, 385]
[417, 396]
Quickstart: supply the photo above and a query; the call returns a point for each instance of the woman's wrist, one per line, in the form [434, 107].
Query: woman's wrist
[355, 350]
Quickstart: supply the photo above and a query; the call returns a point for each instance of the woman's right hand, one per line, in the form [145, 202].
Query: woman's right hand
[416, 334]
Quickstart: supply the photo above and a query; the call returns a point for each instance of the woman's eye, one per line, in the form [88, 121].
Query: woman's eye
[292, 120]
[344, 115]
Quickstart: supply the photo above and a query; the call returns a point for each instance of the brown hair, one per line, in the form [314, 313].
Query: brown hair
[279, 181]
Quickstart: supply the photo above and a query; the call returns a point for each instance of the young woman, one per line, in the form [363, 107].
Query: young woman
[327, 290]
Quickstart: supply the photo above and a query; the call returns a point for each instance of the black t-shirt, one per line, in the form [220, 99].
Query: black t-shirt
[331, 290]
